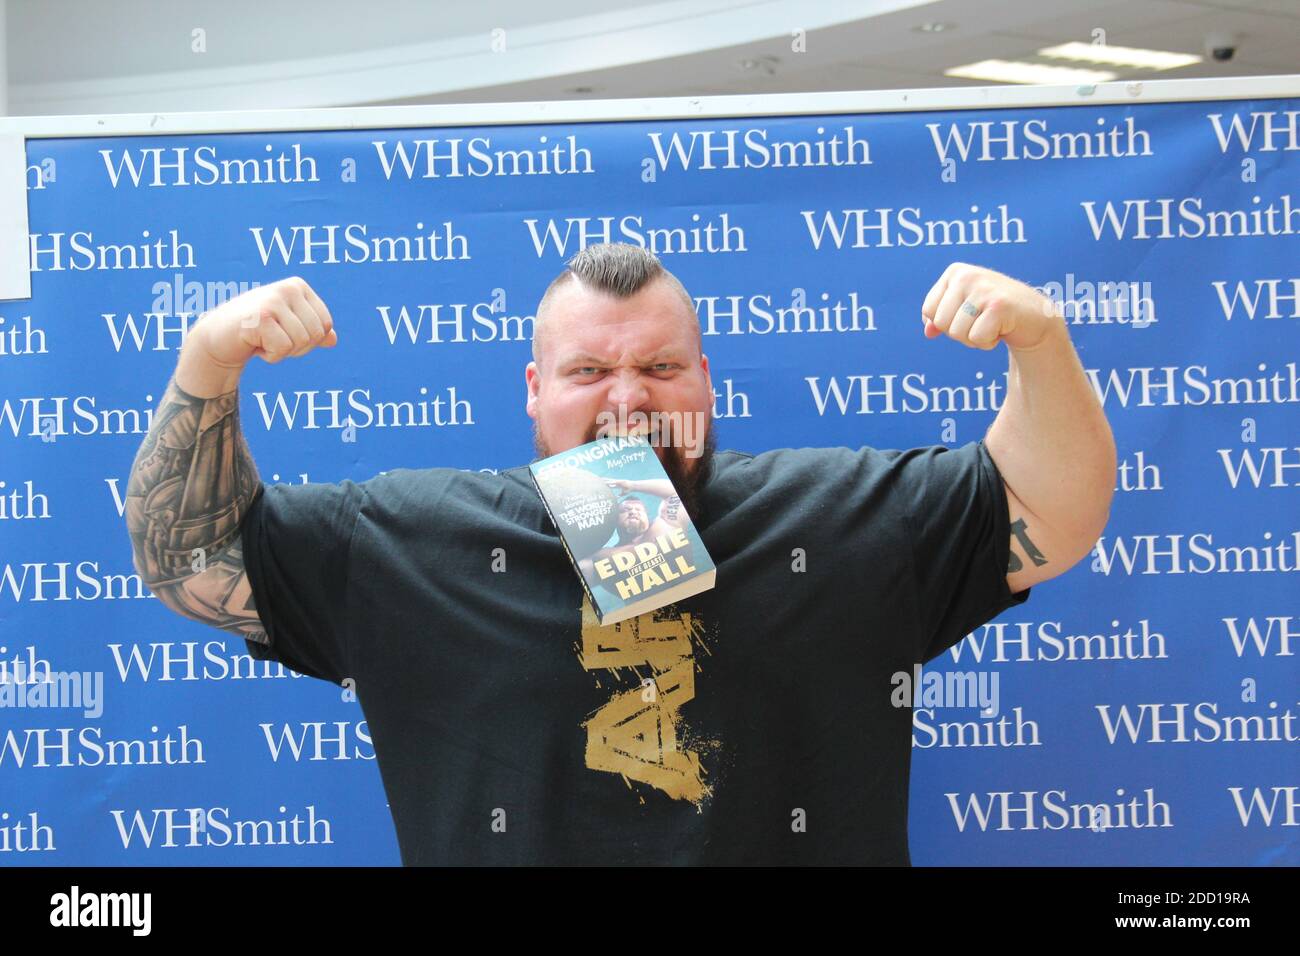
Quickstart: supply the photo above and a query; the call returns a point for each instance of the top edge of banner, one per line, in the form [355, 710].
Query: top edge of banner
[658, 108]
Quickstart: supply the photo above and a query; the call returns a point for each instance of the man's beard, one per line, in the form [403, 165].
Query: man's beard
[626, 533]
[688, 475]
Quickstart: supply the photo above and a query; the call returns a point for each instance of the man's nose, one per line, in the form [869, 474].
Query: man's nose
[628, 389]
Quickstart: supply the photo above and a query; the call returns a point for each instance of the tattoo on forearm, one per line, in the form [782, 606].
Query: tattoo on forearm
[190, 487]
[1020, 533]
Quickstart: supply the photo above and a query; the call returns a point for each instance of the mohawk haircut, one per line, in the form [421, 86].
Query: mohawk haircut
[619, 269]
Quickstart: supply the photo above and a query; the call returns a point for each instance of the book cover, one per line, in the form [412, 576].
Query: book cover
[627, 534]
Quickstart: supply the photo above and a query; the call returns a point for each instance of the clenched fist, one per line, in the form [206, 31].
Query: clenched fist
[281, 320]
[980, 308]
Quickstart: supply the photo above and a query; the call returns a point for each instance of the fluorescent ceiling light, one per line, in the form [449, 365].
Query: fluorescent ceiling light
[1011, 71]
[1120, 55]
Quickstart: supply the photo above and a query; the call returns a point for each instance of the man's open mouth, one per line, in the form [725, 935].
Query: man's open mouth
[623, 432]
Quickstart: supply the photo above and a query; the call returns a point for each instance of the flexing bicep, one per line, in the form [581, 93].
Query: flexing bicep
[1038, 553]
[672, 512]
[219, 595]
[190, 487]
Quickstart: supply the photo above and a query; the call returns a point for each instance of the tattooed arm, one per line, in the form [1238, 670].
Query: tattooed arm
[1056, 454]
[672, 512]
[193, 478]
[1028, 564]
[1050, 441]
[190, 487]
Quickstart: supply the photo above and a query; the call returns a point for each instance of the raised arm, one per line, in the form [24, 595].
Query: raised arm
[1055, 451]
[193, 478]
[659, 487]
[672, 511]
[191, 484]
[1051, 441]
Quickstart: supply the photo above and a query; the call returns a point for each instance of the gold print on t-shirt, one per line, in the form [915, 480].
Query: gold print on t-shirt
[637, 734]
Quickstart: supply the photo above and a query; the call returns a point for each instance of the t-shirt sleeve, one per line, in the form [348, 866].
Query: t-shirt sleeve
[961, 541]
[297, 541]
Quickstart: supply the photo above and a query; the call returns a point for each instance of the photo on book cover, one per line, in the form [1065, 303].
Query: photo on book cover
[624, 527]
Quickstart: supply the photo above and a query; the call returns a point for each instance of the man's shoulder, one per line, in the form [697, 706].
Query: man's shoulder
[815, 471]
[467, 487]
[803, 458]
[441, 475]
[823, 455]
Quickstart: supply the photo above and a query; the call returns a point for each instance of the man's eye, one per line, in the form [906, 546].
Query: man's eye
[664, 367]
[588, 370]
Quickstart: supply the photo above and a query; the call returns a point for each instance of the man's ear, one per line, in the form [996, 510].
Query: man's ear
[531, 384]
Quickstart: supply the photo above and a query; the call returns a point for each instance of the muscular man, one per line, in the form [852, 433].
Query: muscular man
[752, 723]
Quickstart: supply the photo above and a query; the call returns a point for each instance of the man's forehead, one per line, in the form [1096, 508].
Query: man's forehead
[586, 325]
[573, 352]
[639, 336]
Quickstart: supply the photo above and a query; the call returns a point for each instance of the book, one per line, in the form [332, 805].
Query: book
[627, 535]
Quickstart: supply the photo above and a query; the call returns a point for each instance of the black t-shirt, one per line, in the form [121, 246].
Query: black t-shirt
[750, 724]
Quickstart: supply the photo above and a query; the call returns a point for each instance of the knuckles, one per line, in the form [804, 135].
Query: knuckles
[268, 306]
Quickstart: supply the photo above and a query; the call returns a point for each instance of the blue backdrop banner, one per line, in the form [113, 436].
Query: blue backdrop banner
[1146, 702]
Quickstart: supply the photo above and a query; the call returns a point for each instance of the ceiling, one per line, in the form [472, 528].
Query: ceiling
[84, 56]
